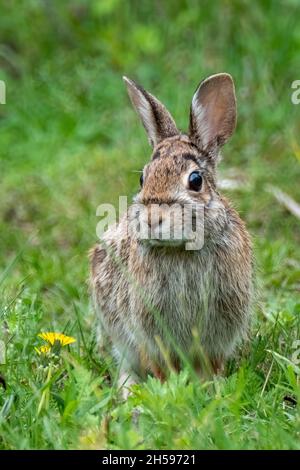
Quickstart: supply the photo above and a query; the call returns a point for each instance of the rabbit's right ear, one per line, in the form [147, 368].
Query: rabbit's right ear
[156, 119]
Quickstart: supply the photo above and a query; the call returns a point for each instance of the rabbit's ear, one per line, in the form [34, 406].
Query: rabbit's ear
[156, 119]
[213, 112]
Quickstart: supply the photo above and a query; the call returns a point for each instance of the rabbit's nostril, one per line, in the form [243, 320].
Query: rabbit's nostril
[155, 223]
[154, 219]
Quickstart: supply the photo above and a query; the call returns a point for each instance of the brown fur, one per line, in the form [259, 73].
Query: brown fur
[152, 299]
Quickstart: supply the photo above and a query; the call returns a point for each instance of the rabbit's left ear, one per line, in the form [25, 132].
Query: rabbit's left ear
[156, 119]
[213, 112]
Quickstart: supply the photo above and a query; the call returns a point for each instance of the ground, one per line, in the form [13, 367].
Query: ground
[70, 141]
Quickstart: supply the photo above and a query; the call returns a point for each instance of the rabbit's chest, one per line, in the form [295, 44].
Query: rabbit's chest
[180, 291]
[177, 291]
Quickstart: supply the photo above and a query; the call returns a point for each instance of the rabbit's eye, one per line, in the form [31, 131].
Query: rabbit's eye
[141, 179]
[195, 181]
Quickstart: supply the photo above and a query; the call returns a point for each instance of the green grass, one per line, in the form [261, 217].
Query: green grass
[69, 141]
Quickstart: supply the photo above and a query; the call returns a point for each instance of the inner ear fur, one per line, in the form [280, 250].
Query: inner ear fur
[213, 112]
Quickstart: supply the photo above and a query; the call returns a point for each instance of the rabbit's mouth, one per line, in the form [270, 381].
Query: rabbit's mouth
[165, 226]
[156, 242]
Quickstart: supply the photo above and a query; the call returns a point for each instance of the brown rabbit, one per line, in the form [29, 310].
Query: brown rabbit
[155, 299]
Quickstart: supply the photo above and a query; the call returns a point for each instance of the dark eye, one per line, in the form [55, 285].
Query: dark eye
[195, 181]
[141, 179]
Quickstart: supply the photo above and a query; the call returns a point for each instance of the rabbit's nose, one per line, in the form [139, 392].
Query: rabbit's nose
[154, 222]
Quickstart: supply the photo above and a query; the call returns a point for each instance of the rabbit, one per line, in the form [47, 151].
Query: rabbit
[159, 303]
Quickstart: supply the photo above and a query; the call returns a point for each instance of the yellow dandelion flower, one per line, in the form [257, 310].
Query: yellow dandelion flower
[60, 338]
[43, 349]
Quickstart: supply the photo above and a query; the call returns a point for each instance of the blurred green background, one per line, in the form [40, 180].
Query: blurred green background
[69, 140]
